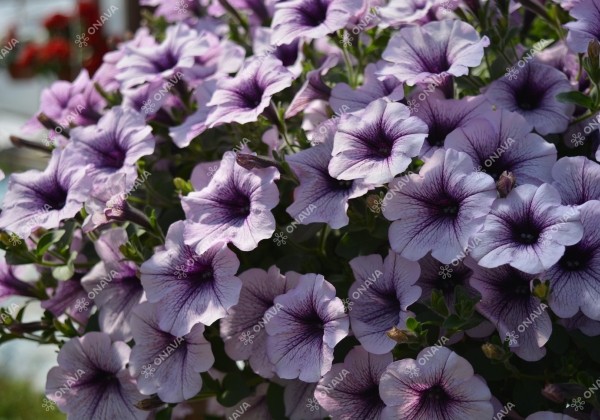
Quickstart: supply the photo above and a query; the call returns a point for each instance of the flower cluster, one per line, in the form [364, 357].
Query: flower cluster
[442, 254]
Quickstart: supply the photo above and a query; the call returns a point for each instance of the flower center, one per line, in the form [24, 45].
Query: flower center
[251, 94]
[435, 394]
[313, 13]
[526, 233]
[575, 258]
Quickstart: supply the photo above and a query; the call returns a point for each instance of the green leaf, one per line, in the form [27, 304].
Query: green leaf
[234, 390]
[275, 401]
[412, 324]
[577, 98]
[47, 241]
[438, 303]
[453, 322]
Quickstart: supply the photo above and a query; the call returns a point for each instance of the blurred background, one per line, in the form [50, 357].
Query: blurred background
[38, 45]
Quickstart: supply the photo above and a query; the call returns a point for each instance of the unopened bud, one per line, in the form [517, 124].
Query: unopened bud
[493, 351]
[594, 49]
[400, 336]
[150, 403]
[505, 183]
[250, 162]
[541, 289]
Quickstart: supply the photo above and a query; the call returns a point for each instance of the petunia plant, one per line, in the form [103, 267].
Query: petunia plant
[310, 209]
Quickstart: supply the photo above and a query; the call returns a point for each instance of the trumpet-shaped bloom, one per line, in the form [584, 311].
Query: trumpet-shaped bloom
[587, 26]
[577, 179]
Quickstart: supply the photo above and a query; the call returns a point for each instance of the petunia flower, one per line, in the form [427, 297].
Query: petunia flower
[574, 277]
[164, 364]
[304, 332]
[548, 415]
[443, 277]
[390, 89]
[533, 95]
[507, 301]
[587, 26]
[579, 321]
[502, 141]
[439, 384]
[10, 282]
[243, 98]
[312, 19]
[424, 54]
[439, 209]
[145, 63]
[403, 12]
[243, 329]
[69, 298]
[528, 229]
[300, 402]
[327, 195]
[235, 207]
[577, 179]
[113, 285]
[114, 145]
[43, 199]
[187, 287]
[381, 293]
[350, 390]
[91, 380]
[377, 143]
[443, 116]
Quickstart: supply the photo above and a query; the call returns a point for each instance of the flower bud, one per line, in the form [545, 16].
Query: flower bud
[505, 183]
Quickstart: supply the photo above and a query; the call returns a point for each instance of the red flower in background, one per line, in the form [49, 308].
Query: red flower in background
[56, 49]
[57, 22]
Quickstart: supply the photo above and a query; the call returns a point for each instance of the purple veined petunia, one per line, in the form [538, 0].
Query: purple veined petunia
[577, 179]
[235, 207]
[440, 208]
[43, 199]
[165, 364]
[69, 298]
[587, 26]
[561, 58]
[443, 277]
[196, 123]
[574, 278]
[443, 116]
[290, 54]
[381, 293]
[327, 195]
[113, 285]
[114, 145]
[528, 229]
[91, 380]
[390, 89]
[350, 390]
[377, 143]
[313, 89]
[243, 329]
[548, 415]
[581, 322]
[187, 287]
[10, 280]
[507, 301]
[243, 98]
[253, 407]
[300, 402]
[402, 12]
[439, 384]
[69, 103]
[305, 330]
[533, 95]
[145, 63]
[502, 141]
[312, 19]
[424, 54]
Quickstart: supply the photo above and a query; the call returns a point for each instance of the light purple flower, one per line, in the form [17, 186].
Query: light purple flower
[390, 89]
[146, 63]
[114, 145]
[587, 26]
[443, 116]
[113, 285]
[165, 364]
[439, 209]
[528, 229]
[43, 199]
[91, 380]
[581, 322]
[243, 98]
[533, 95]
[350, 390]
[574, 278]
[439, 384]
[69, 298]
[377, 143]
[577, 179]
[300, 402]
[235, 207]
[320, 197]
[445, 48]
[243, 329]
[507, 301]
[381, 293]
[548, 415]
[304, 332]
[11, 284]
[189, 288]
[502, 141]
[311, 18]
[402, 12]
